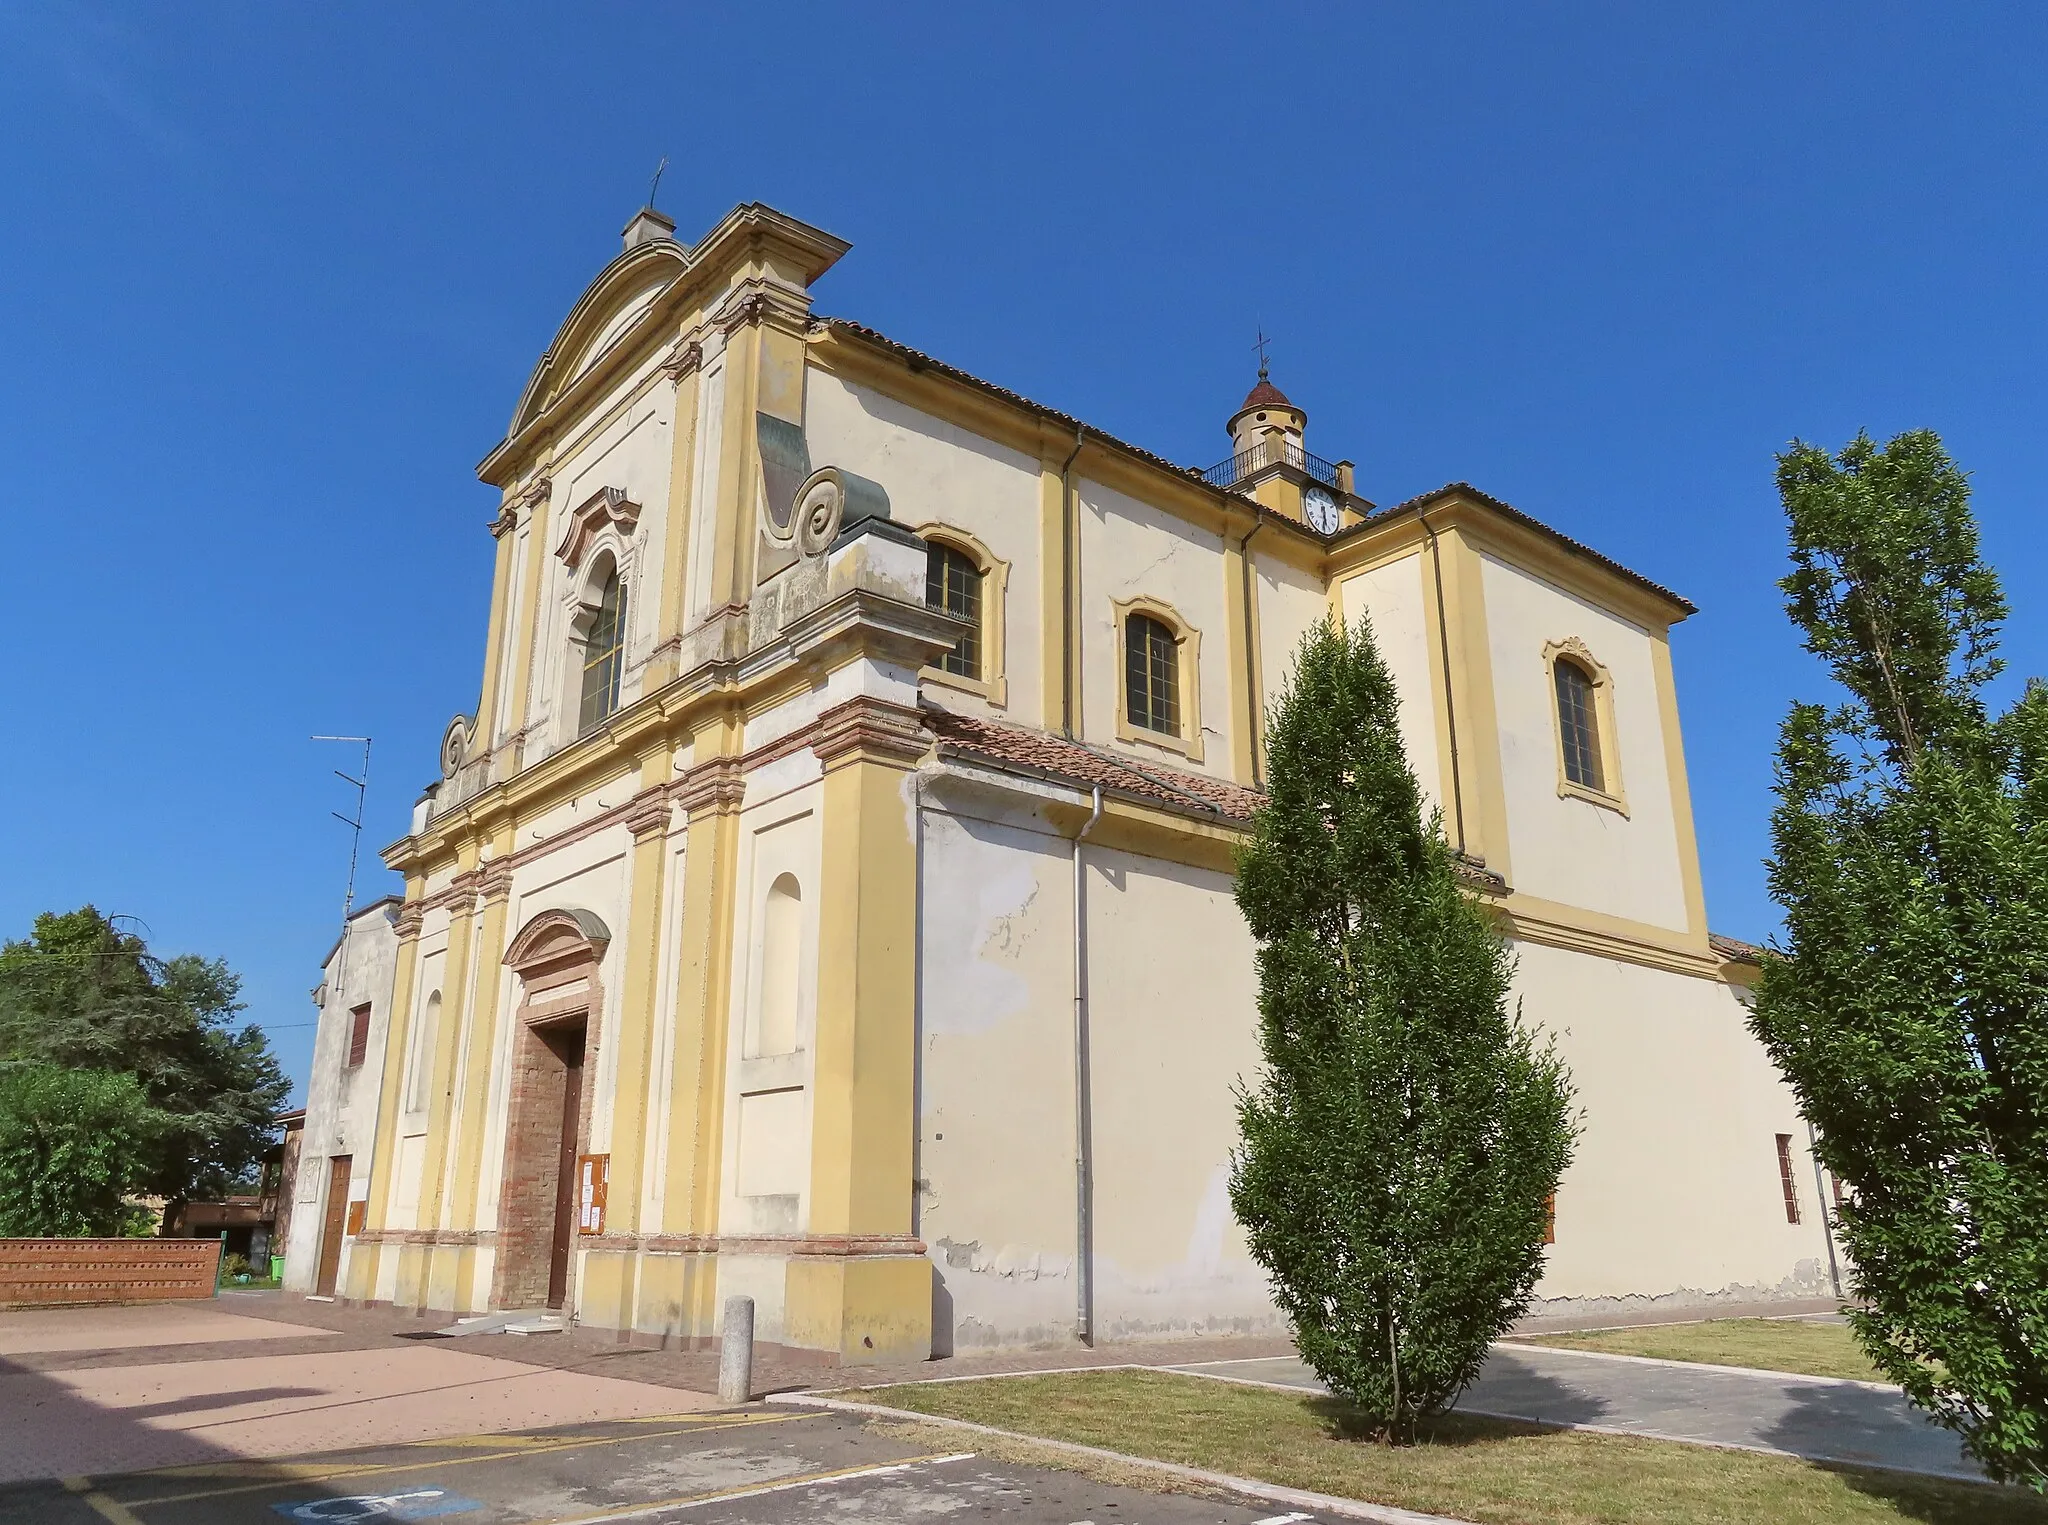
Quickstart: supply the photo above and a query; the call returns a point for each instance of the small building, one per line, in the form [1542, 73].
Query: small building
[280, 1179]
[330, 1150]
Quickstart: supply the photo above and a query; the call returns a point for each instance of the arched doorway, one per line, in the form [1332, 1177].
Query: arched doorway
[555, 1038]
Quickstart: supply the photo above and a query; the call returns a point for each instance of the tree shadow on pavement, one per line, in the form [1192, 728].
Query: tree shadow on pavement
[50, 1434]
[1512, 1386]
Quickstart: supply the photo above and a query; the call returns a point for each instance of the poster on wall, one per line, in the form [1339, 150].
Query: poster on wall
[593, 1172]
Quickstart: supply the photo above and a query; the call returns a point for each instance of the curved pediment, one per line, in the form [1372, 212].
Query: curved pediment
[615, 304]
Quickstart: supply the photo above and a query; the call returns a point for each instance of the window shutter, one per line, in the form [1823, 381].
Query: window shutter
[358, 1036]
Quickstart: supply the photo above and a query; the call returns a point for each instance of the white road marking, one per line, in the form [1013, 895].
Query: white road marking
[814, 1480]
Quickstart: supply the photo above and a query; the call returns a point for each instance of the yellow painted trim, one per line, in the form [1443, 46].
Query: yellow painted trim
[456, 1017]
[502, 550]
[527, 630]
[1053, 636]
[732, 553]
[1637, 942]
[1681, 788]
[1187, 641]
[1479, 760]
[1611, 796]
[1243, 664]
[994, 683]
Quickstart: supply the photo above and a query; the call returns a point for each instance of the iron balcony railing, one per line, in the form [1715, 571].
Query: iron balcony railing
[1281, 452]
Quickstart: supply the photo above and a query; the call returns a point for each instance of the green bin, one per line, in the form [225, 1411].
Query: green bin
[277, 1268]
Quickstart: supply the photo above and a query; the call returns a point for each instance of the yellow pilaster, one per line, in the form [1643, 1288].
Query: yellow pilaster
[438, 1267]
[863, 1117]
[1479, 761]
[675, 560]
[526, 619]
[1240, 614]
[1052, 608]
[363, 1268]
[473, 1116]
[494, 640]
[733, 544]
[1681, 789]
[611, 1301]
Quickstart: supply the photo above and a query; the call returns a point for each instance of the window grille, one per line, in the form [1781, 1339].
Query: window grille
[1578, 726]
[604, 655]
[952, 582]
[1151, 675]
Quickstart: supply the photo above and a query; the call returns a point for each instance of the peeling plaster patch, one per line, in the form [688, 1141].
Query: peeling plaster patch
[1808, 1280]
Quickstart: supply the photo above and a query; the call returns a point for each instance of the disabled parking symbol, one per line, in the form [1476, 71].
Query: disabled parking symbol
[415, 1504]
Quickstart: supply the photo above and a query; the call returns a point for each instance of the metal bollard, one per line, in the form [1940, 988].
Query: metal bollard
[736, 1352]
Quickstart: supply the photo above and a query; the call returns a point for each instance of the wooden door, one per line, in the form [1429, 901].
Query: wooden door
[333, 1223]
[571, 1050]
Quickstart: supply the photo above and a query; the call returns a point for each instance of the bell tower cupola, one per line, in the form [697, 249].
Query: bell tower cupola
[1270, 461]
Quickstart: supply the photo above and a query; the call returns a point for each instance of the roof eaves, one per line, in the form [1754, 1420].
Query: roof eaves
[1417, 505]
[918, 360]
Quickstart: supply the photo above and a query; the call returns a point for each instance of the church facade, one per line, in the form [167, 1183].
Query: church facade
[829, 898]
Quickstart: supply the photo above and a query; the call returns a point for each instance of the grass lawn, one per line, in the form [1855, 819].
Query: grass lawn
[1798, 1345]
[1475, 1469]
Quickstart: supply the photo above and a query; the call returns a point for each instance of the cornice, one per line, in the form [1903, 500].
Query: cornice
[871, 730]
[716, 784]
[647, 814]
[606, 506]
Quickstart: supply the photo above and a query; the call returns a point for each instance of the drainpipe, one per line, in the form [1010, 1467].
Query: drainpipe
[1084, 1182]
[1251, 656]
[1827, 1219]
[1443, 640]
[1068, 558]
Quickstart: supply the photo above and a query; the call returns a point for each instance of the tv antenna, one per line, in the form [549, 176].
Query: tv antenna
[354, 824]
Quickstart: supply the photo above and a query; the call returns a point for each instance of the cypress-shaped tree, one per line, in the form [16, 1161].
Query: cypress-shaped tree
[1405, 1133]
[1909, 1006]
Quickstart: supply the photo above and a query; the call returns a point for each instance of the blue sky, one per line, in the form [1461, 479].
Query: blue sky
[271, 279]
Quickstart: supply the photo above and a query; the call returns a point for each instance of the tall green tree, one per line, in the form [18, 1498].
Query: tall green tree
[1405, 1134]
[72, 1145]
[1910, 1007]
[80, 993]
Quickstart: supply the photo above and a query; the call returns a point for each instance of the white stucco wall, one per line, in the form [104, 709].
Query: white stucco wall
[1131, 549]
[1170, 1002]
[341, 1099]
[1391, 597]
[1675, 1189]
[1564, 849]
[937, 473]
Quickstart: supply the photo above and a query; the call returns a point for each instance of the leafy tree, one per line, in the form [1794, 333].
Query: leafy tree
[82, 994]
[72, 1142]
[1910, 1007]
[1406, 1132]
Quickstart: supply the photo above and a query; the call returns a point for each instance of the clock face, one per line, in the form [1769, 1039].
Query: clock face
[1321, 510]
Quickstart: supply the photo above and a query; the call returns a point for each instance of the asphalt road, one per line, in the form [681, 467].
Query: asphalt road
[760, 1464]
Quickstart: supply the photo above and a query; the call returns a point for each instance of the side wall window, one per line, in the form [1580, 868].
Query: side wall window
[952, 582]
[1151, 675]
[1578, 724]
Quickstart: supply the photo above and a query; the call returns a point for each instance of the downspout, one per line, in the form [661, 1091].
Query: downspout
[1251, 658]
[1443, 640]
[1067, 572]
[1827, 1219]
[1084, 1175]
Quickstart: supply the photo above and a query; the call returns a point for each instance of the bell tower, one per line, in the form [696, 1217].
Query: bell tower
[1269, 460]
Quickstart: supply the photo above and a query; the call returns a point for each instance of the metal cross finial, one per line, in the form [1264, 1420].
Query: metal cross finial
[658, 169]
[1261, 348]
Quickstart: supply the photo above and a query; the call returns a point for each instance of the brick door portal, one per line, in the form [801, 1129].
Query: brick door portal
[555, 1038]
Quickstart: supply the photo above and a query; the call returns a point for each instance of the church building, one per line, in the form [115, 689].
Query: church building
[829, 897]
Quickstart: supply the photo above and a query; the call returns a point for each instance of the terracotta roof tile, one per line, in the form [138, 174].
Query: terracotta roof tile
[1073, 762]
[1735, 949]
[1264, 395]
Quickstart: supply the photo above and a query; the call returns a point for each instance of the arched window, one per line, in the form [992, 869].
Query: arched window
[1151, 675]
[775, 1025]
[603, 655]
[1578, 724]
[952, 582]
